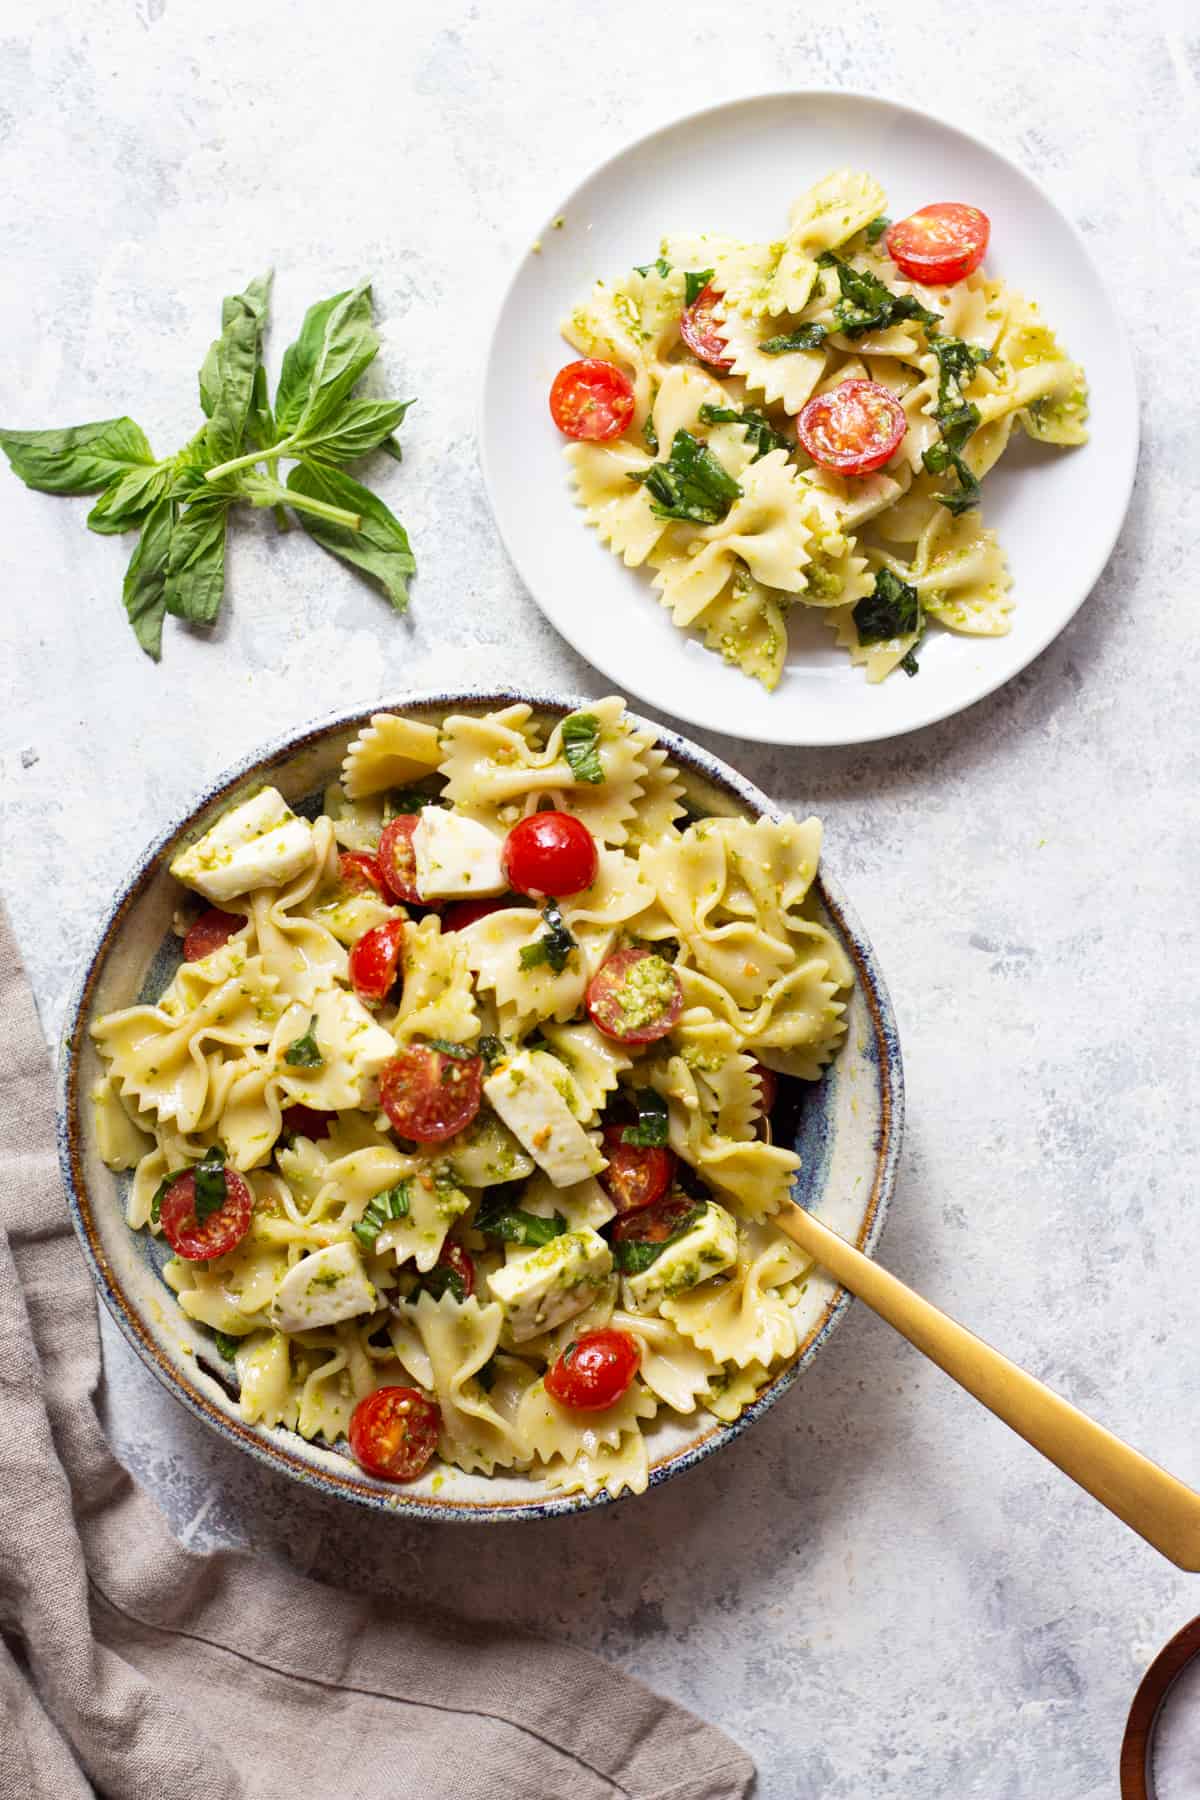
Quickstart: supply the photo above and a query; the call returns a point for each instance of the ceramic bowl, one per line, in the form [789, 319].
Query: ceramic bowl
[848, 1134]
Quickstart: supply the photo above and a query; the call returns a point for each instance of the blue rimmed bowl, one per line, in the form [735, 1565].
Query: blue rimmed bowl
[847, 1132]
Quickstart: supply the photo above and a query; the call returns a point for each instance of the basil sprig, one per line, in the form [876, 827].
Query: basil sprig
[650, 1132]
[393, 1203]
[866, 304]
[181, 504]
[512, 1225]
[581, 746]
[554, 947]
[304, 1052]
[691, 484]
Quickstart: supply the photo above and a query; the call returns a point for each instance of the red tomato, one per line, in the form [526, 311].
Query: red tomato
[654, 1224]
[429, 1096]
[361, 873]
[550, 853]
[702, 333]
[375, 960]
[461, 913]
[852, 428]
[454, 1257]
[768, 1086]
[306, 1121]
[591, 399]
[637, 1174]
[634, 1005]
[394, 1432]
[223, 1230]
[594, 1371]
[941, 244]
[212, 930]
[397, 858]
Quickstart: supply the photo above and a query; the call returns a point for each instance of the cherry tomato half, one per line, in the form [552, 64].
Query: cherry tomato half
[429, 1096]
[361, 874]
[654, 1224]
[375, 961]
[701, 332]
[212, 931]
[394, 1432]
[305, 1121]
[550, 853]
[221, 1231]
[941, 244]
[461, 913]
[634, 997]
[637, 1174]
[456, 1259]
[852, 428]
[591, 399]
[398, 859]
[594, 1371]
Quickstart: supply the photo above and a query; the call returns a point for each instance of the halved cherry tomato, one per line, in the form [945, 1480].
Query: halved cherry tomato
[941, 244]
[637, 1174]
[654, 1224]
[429, 1096]
[306, 1121]
[701, 332]
[594, 1371]
[394, 1432]
[634, 997]
[456, 1259]
[768, 1086]
[375, 960]
[461, 913]
[591, 399]
[212, 931]
[398, 859]
[550, 853]
[852, 428]
[221, 1231]
[360, 873]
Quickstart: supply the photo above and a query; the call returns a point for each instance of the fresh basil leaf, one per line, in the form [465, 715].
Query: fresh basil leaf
[808, 337]
[211, 1186]
[892, 610]
[124, 505]
[758, 428]
[196, 564]
[909, 662]
[227, 378]
[392, 1203]
[337, 342]
[304, 1052]
[876, 229]
[491, 1049]
[227, 1346]
[80, 459]
[694, 284]
[866, 304]
[400, 801]
[649, 435]
[380, 548]
[691, 484]
[650, 1132]
[661, 265]
[440, 1280]
[633, 1255]
[360, 426]
[581, 746]
[514, 1226]
[958, 363]
[145, 590]
[957, 417]
[555, 947]
[460, 1052]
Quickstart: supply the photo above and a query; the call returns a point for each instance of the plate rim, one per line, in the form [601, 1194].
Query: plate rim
[1129, 445]
[267, 1446]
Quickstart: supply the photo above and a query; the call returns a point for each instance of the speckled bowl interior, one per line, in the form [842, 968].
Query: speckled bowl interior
[848, 1136]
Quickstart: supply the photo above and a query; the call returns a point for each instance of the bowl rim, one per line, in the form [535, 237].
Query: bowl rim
[270, 1447]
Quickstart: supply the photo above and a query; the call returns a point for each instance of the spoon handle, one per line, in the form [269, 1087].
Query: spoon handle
[1145, 1497]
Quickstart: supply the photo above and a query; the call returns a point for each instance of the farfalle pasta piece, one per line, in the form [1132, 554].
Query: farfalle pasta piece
[390, 752]
[744, 1320]
[551, 1430]
[764, 531]
[593, 1062]
[459, 1338]
[747, 625]
[672, 1367]
[437, 999]
[602, 1469]
[788, 380]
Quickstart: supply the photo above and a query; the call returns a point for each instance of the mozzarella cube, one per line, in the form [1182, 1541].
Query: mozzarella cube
[456, 856]
[708, 1249]
[537, 1290]
[260, 843]
[322, 1289]
[540, 1118]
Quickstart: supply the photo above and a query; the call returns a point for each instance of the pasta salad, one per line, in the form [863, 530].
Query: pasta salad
[455, 1113]
[808, 422]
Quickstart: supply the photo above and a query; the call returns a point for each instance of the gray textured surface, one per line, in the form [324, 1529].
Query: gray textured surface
[878, 1591]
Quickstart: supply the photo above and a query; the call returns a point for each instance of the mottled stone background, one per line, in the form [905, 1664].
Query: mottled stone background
[879, 1591]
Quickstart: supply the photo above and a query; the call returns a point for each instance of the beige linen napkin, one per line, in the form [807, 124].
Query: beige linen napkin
[134, 1667]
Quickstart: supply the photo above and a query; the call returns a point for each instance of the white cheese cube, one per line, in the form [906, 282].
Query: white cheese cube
[540, 1117]
[540, 1288]
[260, 843]
[322, 1289]
[708, 1249]
[456, 857]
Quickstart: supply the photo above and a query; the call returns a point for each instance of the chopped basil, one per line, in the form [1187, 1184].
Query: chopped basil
[690, 485]
[460, 1052]
[866, 304]
[694, 284]
[876, 229]
[649, 435]
[555, 947]
[633, 1255]
[393, 1203]
[159, 1194]
[650, 1132]
[758, 428]
[808, 337]
[893, 610]
[909, 663]
[491, 1049]
[401, 801]
[513, 1226]
[581, 746]
[211, 1187]
[304, 1052]
[957, 418]
[441, 1279]
[226, 1345]
[661, 266]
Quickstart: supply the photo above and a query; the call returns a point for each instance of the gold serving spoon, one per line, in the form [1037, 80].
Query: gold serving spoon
[1145, 1497]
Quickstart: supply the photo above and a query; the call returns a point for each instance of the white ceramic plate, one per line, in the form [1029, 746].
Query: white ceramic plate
[735, 169]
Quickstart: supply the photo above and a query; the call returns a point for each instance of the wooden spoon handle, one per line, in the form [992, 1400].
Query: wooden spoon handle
[1145, 1497]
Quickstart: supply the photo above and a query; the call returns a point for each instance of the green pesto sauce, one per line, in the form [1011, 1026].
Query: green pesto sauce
[646, 992]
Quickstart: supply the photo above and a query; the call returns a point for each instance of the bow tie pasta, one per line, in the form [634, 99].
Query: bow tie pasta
[455, 1113]
[808, 422]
